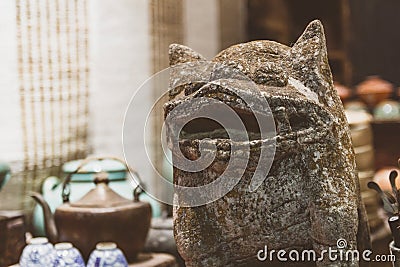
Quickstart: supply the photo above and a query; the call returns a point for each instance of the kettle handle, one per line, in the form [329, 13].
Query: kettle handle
[66, 190]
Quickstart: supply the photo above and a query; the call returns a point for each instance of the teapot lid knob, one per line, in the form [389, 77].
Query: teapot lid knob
[101, 177]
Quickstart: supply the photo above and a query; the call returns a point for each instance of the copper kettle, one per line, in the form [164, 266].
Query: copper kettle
[101, 215]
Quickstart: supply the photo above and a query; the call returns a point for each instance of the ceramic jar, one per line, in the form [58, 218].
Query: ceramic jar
[68, 256]
[107, 255]
[362, 139]
[38, 253]
[360, 127]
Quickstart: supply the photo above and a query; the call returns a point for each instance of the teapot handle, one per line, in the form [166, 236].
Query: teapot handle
[66, 190]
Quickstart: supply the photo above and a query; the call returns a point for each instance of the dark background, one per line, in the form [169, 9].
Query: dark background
[363, 37]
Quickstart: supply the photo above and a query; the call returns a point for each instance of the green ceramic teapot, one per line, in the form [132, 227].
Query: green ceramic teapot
[4, 174]
[82, 182]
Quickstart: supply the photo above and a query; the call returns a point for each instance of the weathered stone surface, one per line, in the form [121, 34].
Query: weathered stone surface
[311, 197]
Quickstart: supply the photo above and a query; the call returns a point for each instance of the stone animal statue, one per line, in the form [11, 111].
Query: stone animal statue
[310, 198]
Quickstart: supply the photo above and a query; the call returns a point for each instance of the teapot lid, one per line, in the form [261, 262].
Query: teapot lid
[115, 168]
[101, 196]
[94, 166]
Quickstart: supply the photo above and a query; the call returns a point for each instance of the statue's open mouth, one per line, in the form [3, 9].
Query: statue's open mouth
[294, 122]
[202, 128]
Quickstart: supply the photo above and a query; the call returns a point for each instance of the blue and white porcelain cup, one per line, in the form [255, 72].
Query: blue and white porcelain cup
[68, 256]
[107, 255]
[38, 253]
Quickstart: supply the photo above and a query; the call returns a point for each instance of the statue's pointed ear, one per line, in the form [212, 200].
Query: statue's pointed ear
[182, 54]
[313, 30]
[309, 59]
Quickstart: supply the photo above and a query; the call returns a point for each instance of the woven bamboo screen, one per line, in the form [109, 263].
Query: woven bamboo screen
[166, 28]
[52, 54]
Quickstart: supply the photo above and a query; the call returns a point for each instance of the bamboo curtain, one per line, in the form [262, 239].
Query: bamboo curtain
[52, 84]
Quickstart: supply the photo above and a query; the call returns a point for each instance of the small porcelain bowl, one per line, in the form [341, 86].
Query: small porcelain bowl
[107, 255]
[38, 253]
[67, 255]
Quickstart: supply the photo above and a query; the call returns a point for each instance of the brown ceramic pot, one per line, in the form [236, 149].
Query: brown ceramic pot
[374, 90]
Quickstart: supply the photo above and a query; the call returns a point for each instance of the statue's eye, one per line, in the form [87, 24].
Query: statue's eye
[287, 122]
[271, 74]
[299, 122]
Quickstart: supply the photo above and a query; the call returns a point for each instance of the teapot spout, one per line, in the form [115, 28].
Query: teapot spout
[49, 223]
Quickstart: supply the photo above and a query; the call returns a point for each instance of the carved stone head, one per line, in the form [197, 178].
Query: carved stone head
[310, 197]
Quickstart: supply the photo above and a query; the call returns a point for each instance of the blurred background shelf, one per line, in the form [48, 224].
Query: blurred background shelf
[386, 143]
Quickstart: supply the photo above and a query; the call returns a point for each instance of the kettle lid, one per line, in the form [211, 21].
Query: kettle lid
[101, 196]
[115, 168]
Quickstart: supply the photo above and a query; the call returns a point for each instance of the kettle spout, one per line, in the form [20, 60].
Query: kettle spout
[49, 223]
